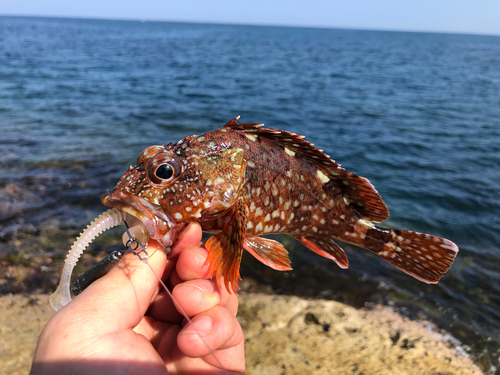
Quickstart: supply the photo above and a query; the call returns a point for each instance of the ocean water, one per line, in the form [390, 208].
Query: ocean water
[416, 113]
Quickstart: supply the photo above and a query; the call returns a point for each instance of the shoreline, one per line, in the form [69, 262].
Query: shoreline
[285, 335]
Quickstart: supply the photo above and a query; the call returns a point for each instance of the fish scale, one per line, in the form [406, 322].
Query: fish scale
[243, 181]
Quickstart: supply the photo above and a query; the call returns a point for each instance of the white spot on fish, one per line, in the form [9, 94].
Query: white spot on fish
[289, 152]
[178, 215]
[275, 190]
[252, 137]
[267, 218]
[251, 164]
[276, 213]
[249, 225]
[323, 177]
[258, 228]
[258, 211]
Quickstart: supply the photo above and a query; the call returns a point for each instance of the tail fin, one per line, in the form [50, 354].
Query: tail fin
[425, 257]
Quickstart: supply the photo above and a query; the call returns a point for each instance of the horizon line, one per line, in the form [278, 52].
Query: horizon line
[144, 20]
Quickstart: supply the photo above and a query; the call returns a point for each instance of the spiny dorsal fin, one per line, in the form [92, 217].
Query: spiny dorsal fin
[232, 124]
[358, 191]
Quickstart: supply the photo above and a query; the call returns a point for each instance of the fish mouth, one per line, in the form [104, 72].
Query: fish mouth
[153, 218]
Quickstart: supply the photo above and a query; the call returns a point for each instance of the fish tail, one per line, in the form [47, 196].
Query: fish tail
[423, 256]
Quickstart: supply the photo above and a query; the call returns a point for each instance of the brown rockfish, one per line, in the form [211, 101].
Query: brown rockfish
[243, 181]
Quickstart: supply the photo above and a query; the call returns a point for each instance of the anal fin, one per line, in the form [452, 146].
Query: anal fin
[327, 248]
[225, 248]
[269, 252]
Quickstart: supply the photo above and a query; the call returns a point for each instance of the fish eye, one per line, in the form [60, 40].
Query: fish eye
[164, 171]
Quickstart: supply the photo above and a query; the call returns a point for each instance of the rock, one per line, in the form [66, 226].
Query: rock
[290, 335]
[21, 321]
[284, 335]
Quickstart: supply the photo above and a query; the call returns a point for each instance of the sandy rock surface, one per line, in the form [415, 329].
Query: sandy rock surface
[290, 335]
[21, 321]
[284, 335]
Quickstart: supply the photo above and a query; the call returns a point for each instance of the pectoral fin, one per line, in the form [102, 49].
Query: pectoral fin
[269, 252]
[327, 248]
[225, 248]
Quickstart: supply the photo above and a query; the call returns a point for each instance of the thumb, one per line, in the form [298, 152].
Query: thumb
[120, 299]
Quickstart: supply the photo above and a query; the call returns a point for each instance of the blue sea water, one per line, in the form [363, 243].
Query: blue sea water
[416, 113]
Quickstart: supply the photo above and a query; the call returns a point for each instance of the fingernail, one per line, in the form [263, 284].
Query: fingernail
[201, 326]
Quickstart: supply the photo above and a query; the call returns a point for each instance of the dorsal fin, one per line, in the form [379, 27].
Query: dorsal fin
[358, 191]
[232, 124]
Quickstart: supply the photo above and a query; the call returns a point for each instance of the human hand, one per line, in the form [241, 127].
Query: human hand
[125, 323]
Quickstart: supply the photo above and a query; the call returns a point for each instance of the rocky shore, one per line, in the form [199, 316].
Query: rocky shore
[285, 335]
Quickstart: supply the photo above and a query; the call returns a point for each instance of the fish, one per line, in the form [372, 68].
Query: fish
[243, 181]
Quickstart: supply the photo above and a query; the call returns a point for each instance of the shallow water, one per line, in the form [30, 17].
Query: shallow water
[416, 113]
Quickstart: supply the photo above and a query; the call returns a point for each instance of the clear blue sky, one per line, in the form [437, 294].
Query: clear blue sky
[464, 16]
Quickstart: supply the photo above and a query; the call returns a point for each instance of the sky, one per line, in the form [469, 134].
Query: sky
[462, 16]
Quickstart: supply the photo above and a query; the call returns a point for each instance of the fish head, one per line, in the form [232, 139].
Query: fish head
[175, 184]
